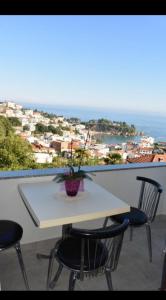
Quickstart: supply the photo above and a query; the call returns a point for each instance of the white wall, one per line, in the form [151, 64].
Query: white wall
[122, 183]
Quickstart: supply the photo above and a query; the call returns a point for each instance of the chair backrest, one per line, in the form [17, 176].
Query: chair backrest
[100, 248]
[149, 196]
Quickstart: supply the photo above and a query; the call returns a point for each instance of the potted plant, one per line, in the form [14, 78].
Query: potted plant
[73, 178]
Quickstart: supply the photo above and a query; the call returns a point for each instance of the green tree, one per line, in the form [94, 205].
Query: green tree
[67, 128]
[5, 128]
[15, 153]
[59, 162]
[52, 129]
[25, 127]
[48, 115]
[81, 157]
[74, 120]
[113, 159]
[14, 121]
[98, 140]
[59, 131]
[40, 128]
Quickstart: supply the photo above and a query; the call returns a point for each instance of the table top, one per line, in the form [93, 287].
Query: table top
[49, 205]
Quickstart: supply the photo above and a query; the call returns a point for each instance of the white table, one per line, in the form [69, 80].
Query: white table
[49, 206]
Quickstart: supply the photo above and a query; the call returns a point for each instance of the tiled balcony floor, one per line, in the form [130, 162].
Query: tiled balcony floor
[134, 271]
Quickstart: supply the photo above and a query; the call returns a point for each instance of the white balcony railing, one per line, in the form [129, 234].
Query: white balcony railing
[119, 179]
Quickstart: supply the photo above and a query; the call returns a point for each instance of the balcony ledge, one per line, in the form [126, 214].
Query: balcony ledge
[89, 169]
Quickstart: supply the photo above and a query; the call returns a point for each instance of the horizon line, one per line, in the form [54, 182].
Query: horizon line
[98, 107]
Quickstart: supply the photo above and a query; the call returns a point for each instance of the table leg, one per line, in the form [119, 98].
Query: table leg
[65, 234]
[65, 230]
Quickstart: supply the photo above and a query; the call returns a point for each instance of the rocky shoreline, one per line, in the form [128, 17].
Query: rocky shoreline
[112, 134]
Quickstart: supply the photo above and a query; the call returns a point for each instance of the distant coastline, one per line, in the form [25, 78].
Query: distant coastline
[110, 134]
[116, 139]
[152, 125]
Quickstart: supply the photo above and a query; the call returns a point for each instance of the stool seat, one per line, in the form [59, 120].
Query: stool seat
[10, 233]
[136, 217]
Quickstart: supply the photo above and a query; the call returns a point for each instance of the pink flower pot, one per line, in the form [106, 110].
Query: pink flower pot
[72, 187]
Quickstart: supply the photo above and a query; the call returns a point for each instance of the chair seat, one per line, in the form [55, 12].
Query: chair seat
[10, 233]
[69, 253]
[136, 217]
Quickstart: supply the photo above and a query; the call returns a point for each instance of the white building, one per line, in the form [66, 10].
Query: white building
[24, 121]
[146, 140]
[17, 106]
[28, 112]
[18, 113]
[65, 123]
[32, 139]
[31, 127]
[124, 155]
[45, 121]
[124, 146]
[43, 157]
[10, 104]
[80, 127]
[146, 150]
[103, 152]
[9, 113]
[60, 118]
[99, 146]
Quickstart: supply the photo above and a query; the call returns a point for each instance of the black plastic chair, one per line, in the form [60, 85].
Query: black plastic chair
[145, 213]
[10, 236]
[87, 253]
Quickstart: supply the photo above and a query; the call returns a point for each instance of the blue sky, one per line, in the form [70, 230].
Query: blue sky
[102, 61]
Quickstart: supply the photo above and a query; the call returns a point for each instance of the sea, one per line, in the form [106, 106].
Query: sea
[151, 124]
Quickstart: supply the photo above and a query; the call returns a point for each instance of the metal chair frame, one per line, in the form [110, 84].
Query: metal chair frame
[148, 203]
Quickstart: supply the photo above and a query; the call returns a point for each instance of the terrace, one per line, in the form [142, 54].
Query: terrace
[134, 271]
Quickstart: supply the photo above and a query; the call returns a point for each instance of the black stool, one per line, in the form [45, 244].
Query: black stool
[10, 236]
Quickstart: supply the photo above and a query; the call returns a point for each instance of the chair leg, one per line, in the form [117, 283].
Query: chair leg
[20, 258]
[109, 279]
[163, 279]
[50, 267]
[56, 277]
[148, 232]
[72, 280]
[105, 222]
[131, 233]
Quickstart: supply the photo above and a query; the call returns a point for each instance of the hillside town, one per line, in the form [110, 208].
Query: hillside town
[62, 134]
